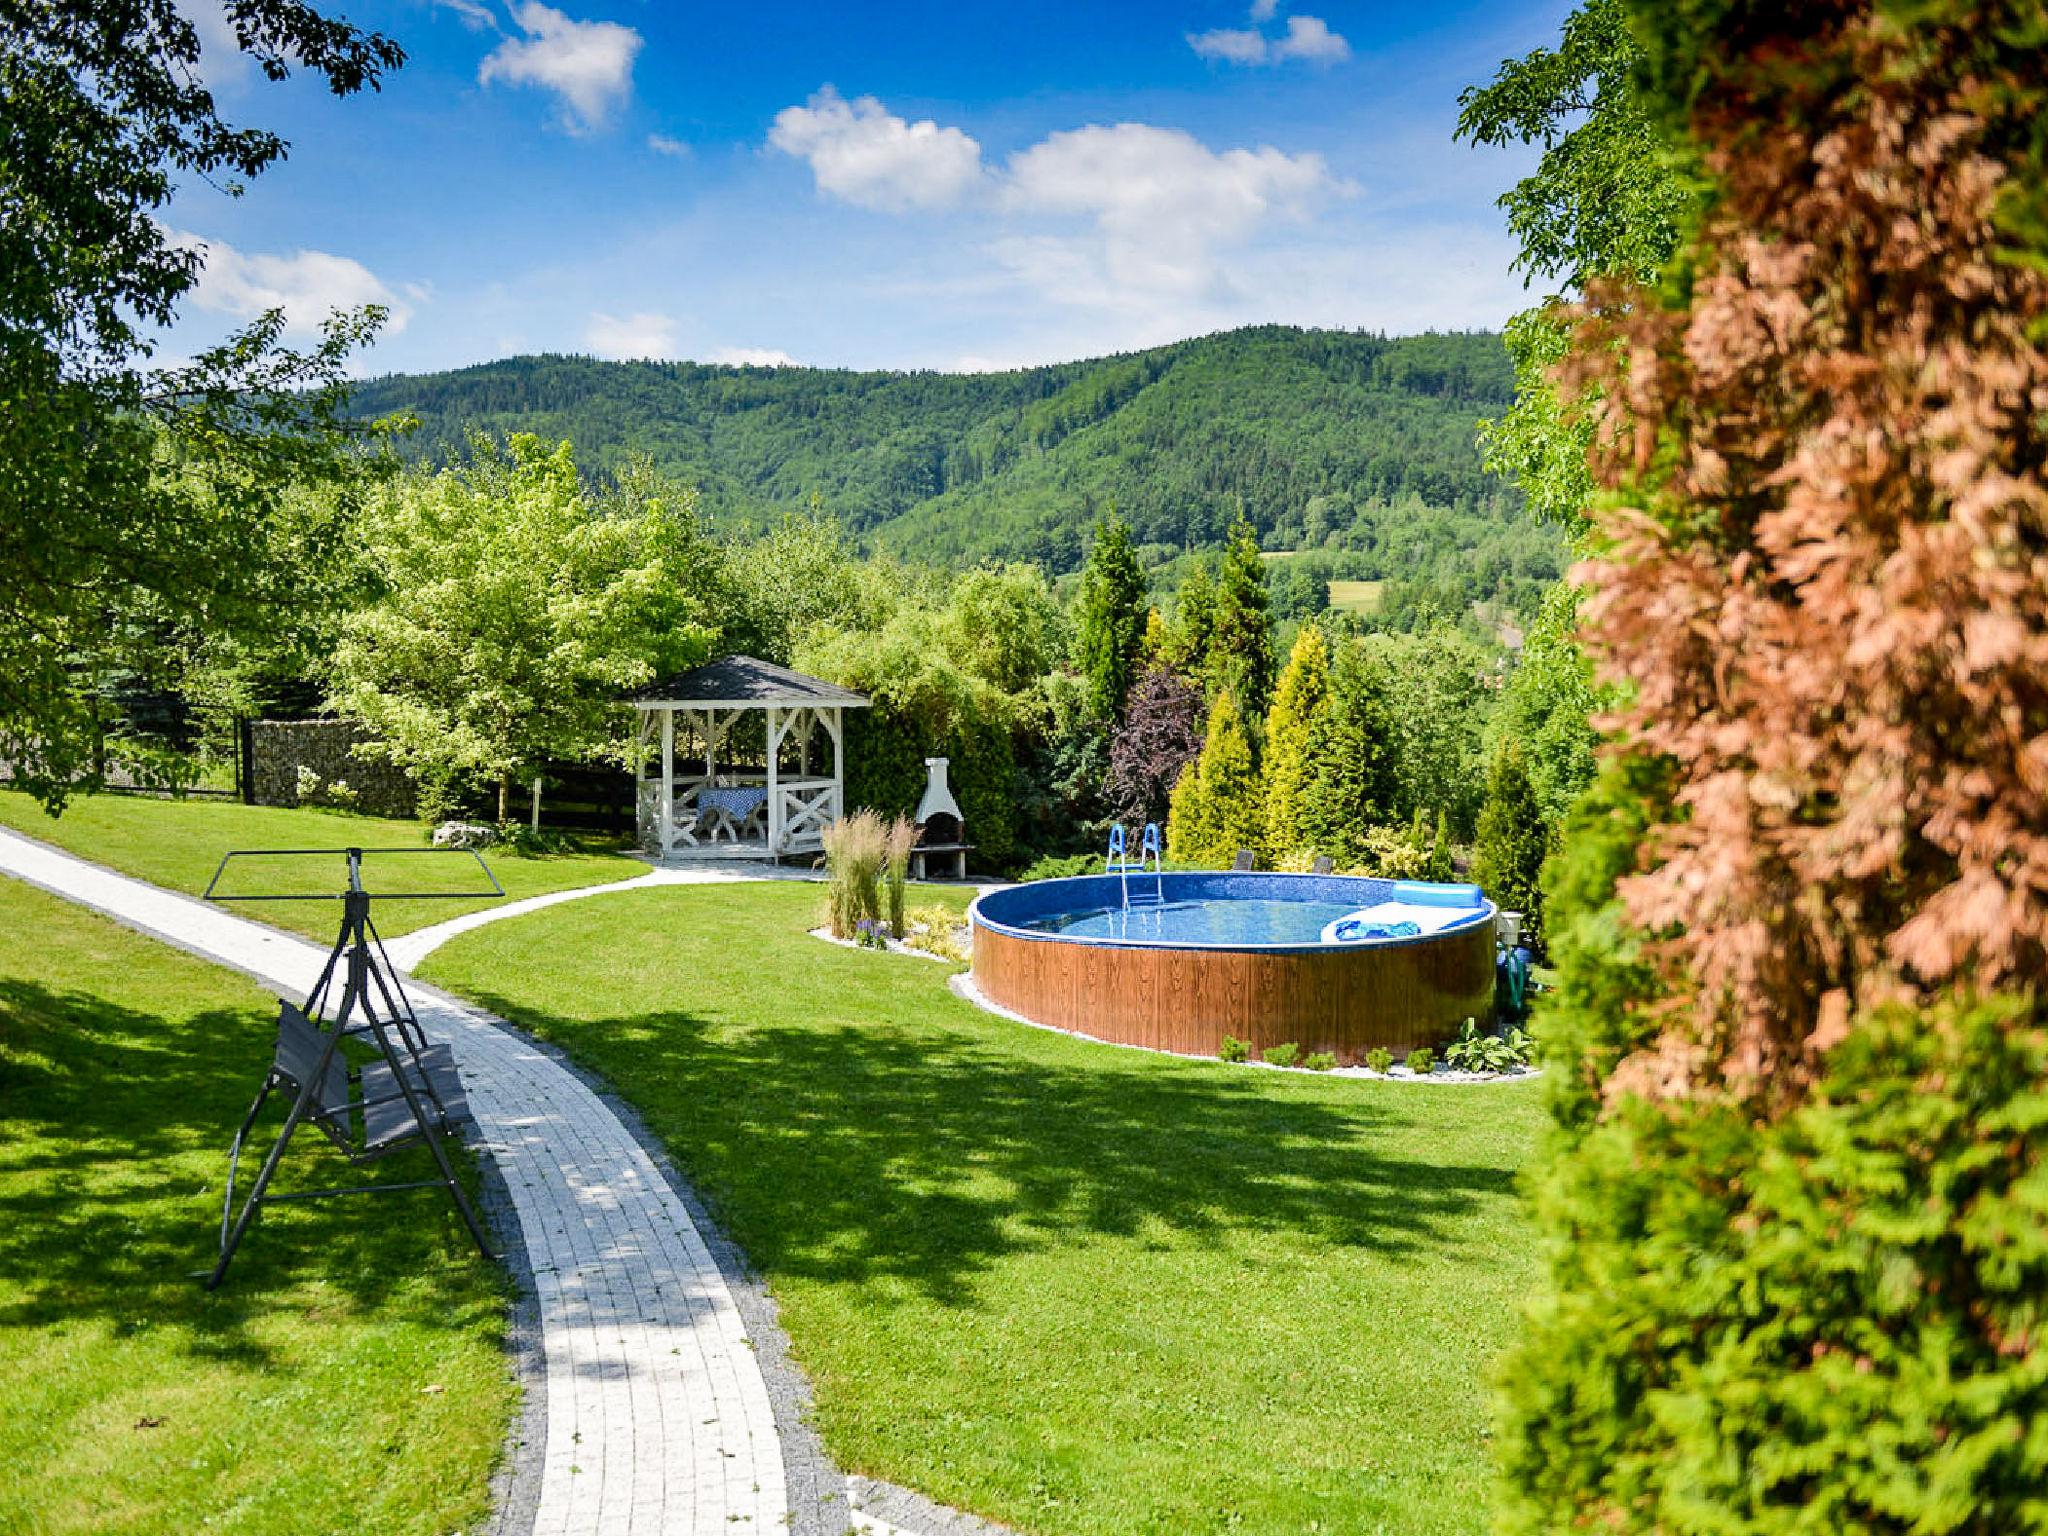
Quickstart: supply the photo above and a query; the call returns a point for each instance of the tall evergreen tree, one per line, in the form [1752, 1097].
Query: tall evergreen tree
[1299, 703]
[1441, 866]
[1112, 618]
[1194, 623]
[1241, 644]
[1215, 809]
[1514, 839]
[1350, 786]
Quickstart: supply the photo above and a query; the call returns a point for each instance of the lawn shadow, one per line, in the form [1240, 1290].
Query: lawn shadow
[924, 1154]
[116, 1124]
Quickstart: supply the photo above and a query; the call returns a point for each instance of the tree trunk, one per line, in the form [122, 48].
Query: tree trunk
[504, 797]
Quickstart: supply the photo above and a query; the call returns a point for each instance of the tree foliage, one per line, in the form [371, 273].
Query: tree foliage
[1215, 803]
[516, 613]
[961, 468]
[1299, 704]
[1111, 621]
[1802, 919]
[1160, 735]
[1350, 786]
[1512, 842]
[1240, 646]
[139, 503]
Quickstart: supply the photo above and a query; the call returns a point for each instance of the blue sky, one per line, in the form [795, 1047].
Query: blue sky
[917, 185]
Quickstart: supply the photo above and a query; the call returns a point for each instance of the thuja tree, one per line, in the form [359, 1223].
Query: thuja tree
[1513, 841]
[1215, 803]
[1240, 646]
[1299, 702]
[1351, 784]
[1798, 1180]
[1111, 622]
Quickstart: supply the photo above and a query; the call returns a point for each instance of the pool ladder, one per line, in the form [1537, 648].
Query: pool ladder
[1121, 864]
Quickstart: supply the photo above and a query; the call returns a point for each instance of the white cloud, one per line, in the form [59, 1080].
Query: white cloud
[1233, 45]
[1162, 205]
[632, 336]
[862, 153]
[754, 357]
[1310, 38]
[1307, 38]
[662, 144]
[476, 17]
[588, 64]
[306, 285]
[1264, 10]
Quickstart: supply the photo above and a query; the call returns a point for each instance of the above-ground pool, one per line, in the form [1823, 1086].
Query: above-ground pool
[1190, 958]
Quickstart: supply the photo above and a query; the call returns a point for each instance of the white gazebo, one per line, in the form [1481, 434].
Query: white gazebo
[761, 793]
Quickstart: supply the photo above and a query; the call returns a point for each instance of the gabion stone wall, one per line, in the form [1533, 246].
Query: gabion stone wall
[279, 748]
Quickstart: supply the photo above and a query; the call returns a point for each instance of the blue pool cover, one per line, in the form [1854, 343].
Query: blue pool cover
[1221, 910]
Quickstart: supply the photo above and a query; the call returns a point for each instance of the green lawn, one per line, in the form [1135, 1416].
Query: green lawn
[1358, 596]
[348, 1377]
[178, 844]
[1076, 1288]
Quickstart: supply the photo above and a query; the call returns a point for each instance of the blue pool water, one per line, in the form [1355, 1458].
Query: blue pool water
[1237, 920]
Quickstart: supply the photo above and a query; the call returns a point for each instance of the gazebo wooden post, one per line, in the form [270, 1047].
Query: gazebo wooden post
[774, 795]
[668, 780]
[838, 732]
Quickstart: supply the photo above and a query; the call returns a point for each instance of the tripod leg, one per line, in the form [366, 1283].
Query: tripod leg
[227, 1199]
[232, 1238]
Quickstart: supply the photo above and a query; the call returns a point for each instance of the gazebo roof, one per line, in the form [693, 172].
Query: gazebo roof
[745, 682]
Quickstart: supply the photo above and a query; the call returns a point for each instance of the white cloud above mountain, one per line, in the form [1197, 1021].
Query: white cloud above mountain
[587, 65]
[307, 285]
[646, 334]
[861, 152]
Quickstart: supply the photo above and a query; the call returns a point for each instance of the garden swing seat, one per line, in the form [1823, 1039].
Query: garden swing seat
[408, 1094]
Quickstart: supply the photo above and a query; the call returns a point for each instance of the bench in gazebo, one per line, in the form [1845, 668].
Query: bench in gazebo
[777, 806]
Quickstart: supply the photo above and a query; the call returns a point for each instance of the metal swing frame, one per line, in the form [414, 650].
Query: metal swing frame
[408, 1095]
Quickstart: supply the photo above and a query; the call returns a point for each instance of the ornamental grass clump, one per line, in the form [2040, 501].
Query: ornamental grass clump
[856, 848]
[899, 836]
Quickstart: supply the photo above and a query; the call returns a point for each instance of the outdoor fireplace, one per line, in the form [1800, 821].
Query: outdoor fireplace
[941, 828]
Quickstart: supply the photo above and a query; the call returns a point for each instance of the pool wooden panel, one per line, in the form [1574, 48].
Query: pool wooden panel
[1346, 1000]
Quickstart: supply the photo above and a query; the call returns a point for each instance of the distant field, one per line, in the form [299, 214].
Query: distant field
[1357, 596]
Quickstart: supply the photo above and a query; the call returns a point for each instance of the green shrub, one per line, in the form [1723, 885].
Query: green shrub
[1380, 1059]
[1475, 1052]
[1233, 1049]
[1281, 1055]
[1420, 1062]
[1061, 868]
[937, 930]
[1840, 1308]
[1320, 1061]
[1513, 842]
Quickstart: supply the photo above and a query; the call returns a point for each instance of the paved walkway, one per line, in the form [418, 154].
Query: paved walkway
[657, 1415]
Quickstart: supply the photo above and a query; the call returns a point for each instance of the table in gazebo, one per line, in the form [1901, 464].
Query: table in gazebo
[730, 810]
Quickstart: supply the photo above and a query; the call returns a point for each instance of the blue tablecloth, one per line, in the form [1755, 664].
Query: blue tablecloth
[739, 804]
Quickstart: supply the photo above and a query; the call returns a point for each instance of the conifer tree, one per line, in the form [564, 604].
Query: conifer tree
[1513, 841]
[1112, 618]
[1440, 867]
[1215, 805]
[1194, 623]
[1299, 702]
[1349, 786]
[1240, 658]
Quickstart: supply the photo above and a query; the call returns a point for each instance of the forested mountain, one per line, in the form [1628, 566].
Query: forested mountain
[1325, 439]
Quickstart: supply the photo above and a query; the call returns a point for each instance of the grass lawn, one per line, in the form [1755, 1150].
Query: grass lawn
[294, 1400]
[1076, 1288]
[178, 844]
